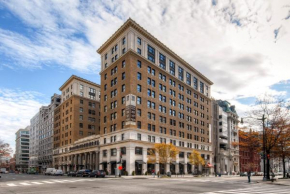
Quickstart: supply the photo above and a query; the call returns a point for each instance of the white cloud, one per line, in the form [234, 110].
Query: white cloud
[17, 108]
[242, 46]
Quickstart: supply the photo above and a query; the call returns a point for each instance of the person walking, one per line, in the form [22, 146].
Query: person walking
[153, 173]
[249, 176]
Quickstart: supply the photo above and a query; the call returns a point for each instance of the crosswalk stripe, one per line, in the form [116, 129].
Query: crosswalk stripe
[37, 183]
[47, 182]
[11, 185]
[253, 190]
[25, 184]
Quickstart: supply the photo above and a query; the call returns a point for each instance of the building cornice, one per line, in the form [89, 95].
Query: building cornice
[80, 79]
[131, 23]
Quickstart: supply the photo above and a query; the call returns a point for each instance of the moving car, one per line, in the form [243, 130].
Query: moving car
[72, 173]
[57, 173]
[49, 171]
[83, 173]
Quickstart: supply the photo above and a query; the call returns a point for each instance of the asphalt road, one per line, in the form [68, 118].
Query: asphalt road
[38, 184]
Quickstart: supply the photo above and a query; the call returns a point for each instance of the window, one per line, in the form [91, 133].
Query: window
[139, 112]
[106, 56]
[162, 61]
[139, 41]
[139, 101]
[81, 87]
[139, 76]
[201, 85]
[123, 88]
[123, 150]
[123, 75]
[188, 78]
[104, 153]
[123, 64]
[138, 150]
[172, 68]
[81, 102]
[180, 73]
[195, 83]
[81, 109]
[139, 136]
[139, 51]
[139, 124]
[138, 88]
[114, 152]
[81, 117]
[123, 137]
[124, 40]
[139, 64]
[81, 133]
[151, 54]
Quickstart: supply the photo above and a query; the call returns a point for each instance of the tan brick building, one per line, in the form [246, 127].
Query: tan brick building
[75, 118]
[150, 95]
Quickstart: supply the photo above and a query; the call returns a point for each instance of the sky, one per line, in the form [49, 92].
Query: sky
[242, 46]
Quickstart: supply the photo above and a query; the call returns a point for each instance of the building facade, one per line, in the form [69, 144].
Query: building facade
[225, 132]
[150, 95]
[34, 141]
[46, 127]
[75, 118]
[22, 149]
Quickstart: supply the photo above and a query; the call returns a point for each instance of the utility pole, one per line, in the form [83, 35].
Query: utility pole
[264, 148]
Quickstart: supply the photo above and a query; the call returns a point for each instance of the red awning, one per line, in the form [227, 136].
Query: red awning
[209, 165]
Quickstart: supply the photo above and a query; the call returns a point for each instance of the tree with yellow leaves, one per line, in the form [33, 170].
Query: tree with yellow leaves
[162, 153]
[196, 159]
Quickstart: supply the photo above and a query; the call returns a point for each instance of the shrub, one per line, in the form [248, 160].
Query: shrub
[126, 173]
[133, 173]
[146, 173]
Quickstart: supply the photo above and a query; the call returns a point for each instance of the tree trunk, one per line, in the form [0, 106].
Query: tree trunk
[284, 168]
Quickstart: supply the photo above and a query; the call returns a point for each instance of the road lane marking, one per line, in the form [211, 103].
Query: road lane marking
[48, 182]
[37, 183]
[25, 184]
[11, 185]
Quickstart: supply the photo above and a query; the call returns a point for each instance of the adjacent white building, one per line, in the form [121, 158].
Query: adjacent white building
[225, 132]
[22, 149]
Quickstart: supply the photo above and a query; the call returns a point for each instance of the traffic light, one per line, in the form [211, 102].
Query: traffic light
[268, 156]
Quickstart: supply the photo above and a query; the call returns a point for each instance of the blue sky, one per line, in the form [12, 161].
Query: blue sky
[242, 46]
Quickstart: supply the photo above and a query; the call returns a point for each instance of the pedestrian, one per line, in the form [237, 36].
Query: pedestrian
[249, 176]
[153, 173]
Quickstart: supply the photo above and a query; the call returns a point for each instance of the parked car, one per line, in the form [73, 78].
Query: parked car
[243, 174]
[57, 173]
[49, 171]
[83, 173]
[72, 173]
[93, 173]
[101, 173]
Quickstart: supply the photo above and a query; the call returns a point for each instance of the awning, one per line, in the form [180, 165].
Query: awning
[123, 161]
[103, 163]
[174, 163]
[112, 162]
[182, 163]
[140, 162]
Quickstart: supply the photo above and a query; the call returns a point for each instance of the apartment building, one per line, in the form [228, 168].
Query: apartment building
[75, 118]
[46, 126]
[150, 95]
[34, 140]
[225, 132]
[22, 149]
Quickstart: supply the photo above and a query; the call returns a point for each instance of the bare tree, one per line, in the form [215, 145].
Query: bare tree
[4, 148]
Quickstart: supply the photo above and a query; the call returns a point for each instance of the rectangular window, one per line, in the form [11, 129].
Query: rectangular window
[139, 136]
[139, 124]
[151, 54]
[138, 88]
[195, 83]
[139, 51]
[180, 73]
[162, 61]
[138, 150]
[139, 101]
[188, 78]
[139, 41]
[201, 85]
[139, 64]
[124, 40]
[114, 152]
[139, 76]
[172, 68]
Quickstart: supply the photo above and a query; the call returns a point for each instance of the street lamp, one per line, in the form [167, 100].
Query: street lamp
[264, 148]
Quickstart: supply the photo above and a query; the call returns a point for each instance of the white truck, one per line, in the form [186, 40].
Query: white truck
[49, 171]
[3, 170]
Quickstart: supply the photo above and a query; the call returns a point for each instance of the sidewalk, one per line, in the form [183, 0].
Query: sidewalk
[285, 182]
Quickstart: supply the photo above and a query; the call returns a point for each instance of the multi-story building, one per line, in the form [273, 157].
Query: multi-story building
[225, 132]
[34, 140]
[150, 95]
[46, 126]
[76, 117]
[249, 160]
[22, 149]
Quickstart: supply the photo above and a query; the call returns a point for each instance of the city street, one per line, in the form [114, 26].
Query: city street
[11, 183]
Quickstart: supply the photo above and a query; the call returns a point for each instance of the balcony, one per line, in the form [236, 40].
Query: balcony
[223, 141]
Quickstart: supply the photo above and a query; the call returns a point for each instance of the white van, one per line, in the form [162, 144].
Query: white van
[57, 173]
[49, 171]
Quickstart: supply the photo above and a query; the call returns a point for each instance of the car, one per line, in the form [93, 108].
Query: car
[243, 174]
[57, 173]
[49, 171]
[83, 173]
[72, 173]
[93, 173]
[101, 173]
